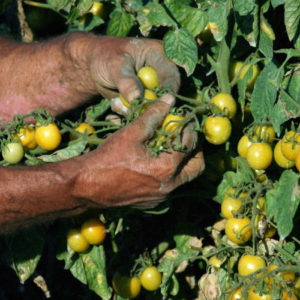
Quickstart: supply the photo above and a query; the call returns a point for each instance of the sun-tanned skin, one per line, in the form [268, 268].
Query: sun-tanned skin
[61, 74]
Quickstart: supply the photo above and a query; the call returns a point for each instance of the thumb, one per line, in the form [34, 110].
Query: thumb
[152, 118]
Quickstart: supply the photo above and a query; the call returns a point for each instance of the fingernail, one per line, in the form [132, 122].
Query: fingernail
[169, 99]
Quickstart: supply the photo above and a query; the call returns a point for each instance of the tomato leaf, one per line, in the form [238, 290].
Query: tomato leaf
[65, 153]
[120, 22]
[61, 4]
[181, 48]
[276, 3]
[95, 111]
[282, 202]
[26, 250]
[192, 19]
[292, 20]
[95, 269]
[243, 7]
[265, 44]
[91, 22]
[265, 93]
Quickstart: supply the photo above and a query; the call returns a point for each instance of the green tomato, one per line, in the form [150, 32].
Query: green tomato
[151, 278]
[13, 152]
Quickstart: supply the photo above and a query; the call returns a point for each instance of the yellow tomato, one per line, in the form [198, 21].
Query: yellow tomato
[252, 295]
[126, 287]
[98, 9]
[225, 103]
[83, 128]
[243, 146]
[48, 137]
[76, 241]
[265, 133]
[238, 230]
[259, 156]
[148, 77]
[236, 295]
[290, 145]
[249, 264]
[280, 159]
[94, 231]
[217, 130]
[26, 136]
[297, 162]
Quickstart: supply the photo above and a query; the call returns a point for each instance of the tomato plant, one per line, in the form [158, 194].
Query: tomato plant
[26, 136]
[83, 128]
[240, 78]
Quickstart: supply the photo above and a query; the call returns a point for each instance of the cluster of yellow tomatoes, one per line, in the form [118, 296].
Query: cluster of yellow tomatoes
[130, 287]
[91, 232]
[257, 148]
[47, 136]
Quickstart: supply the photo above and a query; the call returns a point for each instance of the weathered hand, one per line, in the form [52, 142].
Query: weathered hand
[122, 170]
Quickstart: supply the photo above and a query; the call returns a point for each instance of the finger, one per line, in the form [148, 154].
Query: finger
[127, 82]
[144, 127]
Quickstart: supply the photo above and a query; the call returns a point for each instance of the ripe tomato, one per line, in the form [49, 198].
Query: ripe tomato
[12, 152]
[148, 95]
[249, 264]
[288, 296]
[148, 77]
[48, 137]
[83, 128]
[287, 276]
[76, 241]
[290, 145]
[265, 133]
[252, 295]
[259, 156]
[280, 159]
[26, 136]
[171, 123]
[215, 262]
[98, 9]
[151, 278]
[125, 286]
[93, 231]
[217, 130]
[230, 206]
[236, 295]
[238, 230]
[243, 146]
[225, 103]
[235, 68]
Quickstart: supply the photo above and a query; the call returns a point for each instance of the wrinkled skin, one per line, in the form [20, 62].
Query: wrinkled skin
[60, 75]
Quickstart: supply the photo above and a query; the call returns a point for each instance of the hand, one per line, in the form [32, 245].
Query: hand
[123, 172]
[114, 63]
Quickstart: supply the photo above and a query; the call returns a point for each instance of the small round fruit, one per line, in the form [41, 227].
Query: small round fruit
[252, 295]
[26, 136]
[235, 68]
[225, 103]
[236, 295]
[215, 262]
[148, 77]
[48, 137]
[249, 264]
[98, 9]
[83, 128]
[238, 230]
[125, 286]
[171, 123]
[259, 156]
[288, 296]
[151, 278]
[290, 145]
[94, 231]
[297, 162]
[76, 241]
[243, 146]
[265, 133]
[280, 159]
[217, 130]
[230, 207]
[12, 152]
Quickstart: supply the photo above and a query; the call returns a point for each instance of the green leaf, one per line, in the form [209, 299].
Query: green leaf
[192, 19]
[95, 270]
[265, 44]
[61, 4]
[243, 7]
[65, 153]
[91, 22]
[26, 251]
[181, 48]
[265, 92]
[158, 16]
[276, 3]
[218, 14]
[97, 110]
[120, 22]
[289, 100]
[292, 20]
[282, 202]
[85, 5]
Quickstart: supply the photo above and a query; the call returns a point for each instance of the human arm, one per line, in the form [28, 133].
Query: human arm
[121, 171]
[64, 72]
